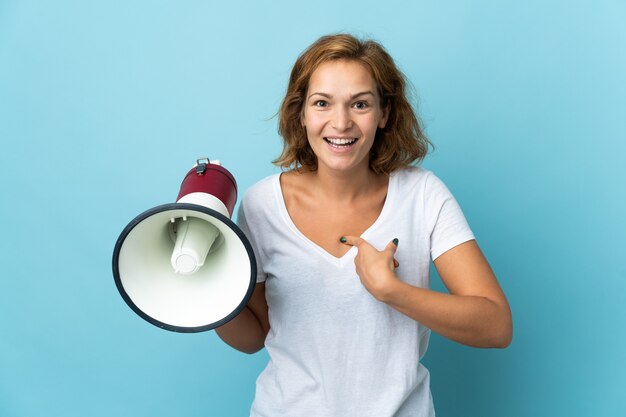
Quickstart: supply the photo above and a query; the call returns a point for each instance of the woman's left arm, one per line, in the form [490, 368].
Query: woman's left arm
[474, 313]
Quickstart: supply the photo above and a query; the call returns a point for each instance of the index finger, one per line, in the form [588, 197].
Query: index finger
[351, 240]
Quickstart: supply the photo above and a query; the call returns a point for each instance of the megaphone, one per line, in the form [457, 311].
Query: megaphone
[185, 266]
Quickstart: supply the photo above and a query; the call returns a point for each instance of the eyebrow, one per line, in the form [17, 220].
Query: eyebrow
[352, 97]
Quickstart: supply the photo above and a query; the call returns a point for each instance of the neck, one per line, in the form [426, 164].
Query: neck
[345, 186]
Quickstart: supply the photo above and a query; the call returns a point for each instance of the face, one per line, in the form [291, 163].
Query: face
[341, 114]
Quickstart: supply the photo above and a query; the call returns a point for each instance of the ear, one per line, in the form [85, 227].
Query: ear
[385, 116]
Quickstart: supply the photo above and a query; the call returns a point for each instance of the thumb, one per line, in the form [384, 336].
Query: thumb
[392, 246]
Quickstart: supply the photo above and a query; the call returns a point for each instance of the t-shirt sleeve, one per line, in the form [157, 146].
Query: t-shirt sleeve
[242, 222]
[449, 226]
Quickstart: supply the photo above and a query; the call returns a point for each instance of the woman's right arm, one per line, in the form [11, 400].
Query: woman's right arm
[247, 331]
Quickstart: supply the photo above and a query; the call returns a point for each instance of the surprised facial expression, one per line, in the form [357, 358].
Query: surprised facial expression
[342, 112]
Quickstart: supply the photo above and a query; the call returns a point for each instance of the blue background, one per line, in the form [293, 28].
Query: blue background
[104, 106]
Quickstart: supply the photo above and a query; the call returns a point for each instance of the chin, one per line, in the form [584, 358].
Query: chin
[345, 167]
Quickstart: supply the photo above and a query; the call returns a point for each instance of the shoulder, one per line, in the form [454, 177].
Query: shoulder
[254, 202]
[416, 177]
[254, 207]
[421, 186]
[260, 191]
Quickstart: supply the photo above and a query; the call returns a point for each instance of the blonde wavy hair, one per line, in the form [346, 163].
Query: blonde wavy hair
[399, 144]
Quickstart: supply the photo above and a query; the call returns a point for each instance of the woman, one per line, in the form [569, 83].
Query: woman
[344, 240]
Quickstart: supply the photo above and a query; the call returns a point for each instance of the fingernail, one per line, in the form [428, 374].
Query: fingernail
[395, 241]
[343, 239]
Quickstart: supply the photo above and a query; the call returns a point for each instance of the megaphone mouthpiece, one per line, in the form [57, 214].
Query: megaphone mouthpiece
[194, 238]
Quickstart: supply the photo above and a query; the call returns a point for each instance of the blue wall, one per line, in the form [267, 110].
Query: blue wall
[104, 106]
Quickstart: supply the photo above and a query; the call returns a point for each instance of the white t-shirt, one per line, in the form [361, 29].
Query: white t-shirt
[334, 349]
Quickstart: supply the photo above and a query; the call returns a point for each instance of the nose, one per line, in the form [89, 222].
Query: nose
[341, 119]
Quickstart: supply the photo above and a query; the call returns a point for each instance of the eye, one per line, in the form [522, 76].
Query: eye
[360, 105]
[320, 103]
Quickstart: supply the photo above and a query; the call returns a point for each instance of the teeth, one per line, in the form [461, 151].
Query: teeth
[341, 141]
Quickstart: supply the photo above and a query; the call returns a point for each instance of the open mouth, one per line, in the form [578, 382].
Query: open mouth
[340, 143]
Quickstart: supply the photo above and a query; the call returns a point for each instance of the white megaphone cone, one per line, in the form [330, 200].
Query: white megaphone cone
[186, 266]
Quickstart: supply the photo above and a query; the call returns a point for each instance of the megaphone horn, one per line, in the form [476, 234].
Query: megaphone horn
[185, 266]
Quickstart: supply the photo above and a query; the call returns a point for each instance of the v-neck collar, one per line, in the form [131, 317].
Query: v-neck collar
[350, 254]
